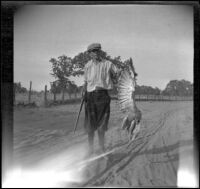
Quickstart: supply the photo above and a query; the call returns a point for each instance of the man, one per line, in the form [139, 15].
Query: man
[98, 76]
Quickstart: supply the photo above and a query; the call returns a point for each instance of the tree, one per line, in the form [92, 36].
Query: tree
[18, 88]
[62, 69]
[157, 91]
[148, 90]
[55, 87]
[178, 88]
[72, 88]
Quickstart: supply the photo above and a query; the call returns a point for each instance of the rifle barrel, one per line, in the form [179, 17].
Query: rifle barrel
[82, 101]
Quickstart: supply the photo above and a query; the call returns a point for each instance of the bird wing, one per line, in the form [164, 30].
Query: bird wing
[125, 89]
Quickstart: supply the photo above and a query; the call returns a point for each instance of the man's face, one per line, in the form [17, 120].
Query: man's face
[94, 54]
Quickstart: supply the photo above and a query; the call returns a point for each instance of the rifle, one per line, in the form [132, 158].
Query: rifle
[82, 101]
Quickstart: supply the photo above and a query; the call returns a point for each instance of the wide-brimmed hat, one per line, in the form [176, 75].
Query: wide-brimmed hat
[94, 46]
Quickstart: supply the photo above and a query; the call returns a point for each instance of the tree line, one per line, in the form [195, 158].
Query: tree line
[173, 88]
[64, 67]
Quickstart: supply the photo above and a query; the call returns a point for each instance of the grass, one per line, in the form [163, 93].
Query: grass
[38, 99]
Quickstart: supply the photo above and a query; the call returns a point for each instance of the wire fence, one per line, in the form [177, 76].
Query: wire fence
[44, 99]
[48, 98]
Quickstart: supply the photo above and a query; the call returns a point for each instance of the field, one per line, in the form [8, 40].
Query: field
[44, 135]
[38, 98]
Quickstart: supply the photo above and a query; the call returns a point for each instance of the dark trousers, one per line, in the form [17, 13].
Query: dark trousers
[97, 113]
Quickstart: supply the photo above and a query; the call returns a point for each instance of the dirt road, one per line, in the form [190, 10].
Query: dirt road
[152, 159]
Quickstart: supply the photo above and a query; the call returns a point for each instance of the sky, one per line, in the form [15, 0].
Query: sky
[159, 39]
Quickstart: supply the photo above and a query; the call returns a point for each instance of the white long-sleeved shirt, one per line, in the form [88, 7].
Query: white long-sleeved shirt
[97, 74]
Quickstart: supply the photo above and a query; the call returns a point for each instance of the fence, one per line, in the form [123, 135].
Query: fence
[47, 98]
[162, 98]
[44, 99]
[146, 97]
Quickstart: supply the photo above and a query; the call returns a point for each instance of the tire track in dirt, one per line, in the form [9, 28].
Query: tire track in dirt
[145, 139]
[128, 154]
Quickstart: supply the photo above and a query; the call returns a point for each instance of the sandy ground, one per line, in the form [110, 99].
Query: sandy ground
[151, 160]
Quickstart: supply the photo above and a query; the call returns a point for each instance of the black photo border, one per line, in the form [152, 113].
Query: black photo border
[8, 9]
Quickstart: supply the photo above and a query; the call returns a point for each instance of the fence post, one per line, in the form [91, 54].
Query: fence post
[14, 97]
[54, 97]
[45, 95]
[29, 94]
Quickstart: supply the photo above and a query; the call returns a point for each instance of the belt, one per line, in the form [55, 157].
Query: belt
[99, 90]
